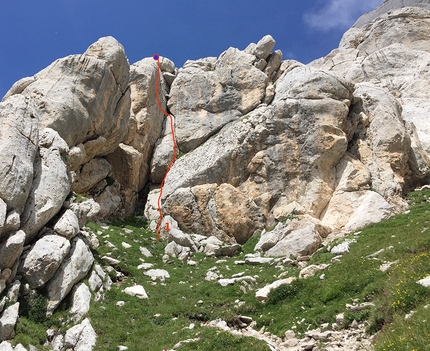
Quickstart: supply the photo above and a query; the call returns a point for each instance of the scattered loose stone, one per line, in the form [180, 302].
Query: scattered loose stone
[258, 260]
[311, 270]
[145, 266]
[157, 274]
[110, 260]
[145, 252]
[425, 282]
[263, 293]
[125, 245]
[232, 281]
[137, 291]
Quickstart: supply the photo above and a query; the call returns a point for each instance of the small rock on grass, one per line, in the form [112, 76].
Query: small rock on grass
[137, 291]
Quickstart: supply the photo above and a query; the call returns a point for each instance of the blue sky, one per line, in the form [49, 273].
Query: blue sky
[35, 33]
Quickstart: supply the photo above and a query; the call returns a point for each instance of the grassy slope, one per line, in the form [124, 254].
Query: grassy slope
[164, 318]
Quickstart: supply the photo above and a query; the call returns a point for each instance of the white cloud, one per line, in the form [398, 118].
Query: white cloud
[339, 13]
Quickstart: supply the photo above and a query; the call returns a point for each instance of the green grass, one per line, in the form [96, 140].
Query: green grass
[302, 305]
[163, 320]
[187, 298]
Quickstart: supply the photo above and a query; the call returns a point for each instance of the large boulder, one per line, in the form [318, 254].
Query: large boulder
[84, 97]
[18, 148]
[51, 184]
[43, 259]
[80, 337]
[295, 238]
[11, 249]
[73, 268]
[8, 321]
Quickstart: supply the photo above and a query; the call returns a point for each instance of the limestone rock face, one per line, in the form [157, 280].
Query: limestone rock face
[209, 93]
[99, 78]
[304, 130]
[51, 184]
[18, 147]
[221, 210]
[90, 174]
[131, 160]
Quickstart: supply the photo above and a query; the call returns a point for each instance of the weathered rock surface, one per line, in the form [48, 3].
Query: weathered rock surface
[81, 298]
[72, 269]
[43, 259]
[100, 78]
[51, 184]
[11, 249]
[18, 147]
[220, 210]
[67, 225]
[7, 322]
[209, 93]
[81, 337]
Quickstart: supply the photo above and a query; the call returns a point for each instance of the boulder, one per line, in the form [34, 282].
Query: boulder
[127, 168]
[232, 281]
[90, 174]
[51, 184]
[67, 225]
[8, 321]
[85, 211]
[264, 47]
[181, 238]
[373, 208]
[43, 259]
[137, 291]
[95, 281]
[311, 270]
[299, 238]
[12, 222]
[109, 202]
[81, 298]
[80, 337]
[74, 267]
[84, 97]
[6, 346]
[11, 249]
[155, 274]
[220, 210]
[19, 138]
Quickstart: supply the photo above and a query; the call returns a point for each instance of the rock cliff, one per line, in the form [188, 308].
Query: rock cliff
[295, 152]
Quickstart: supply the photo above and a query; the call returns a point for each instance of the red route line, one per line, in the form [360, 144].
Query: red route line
[157, 79]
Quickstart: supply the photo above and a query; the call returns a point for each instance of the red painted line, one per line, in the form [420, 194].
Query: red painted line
[156, 57]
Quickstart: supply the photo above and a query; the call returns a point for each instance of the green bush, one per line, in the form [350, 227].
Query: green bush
[285, 292]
